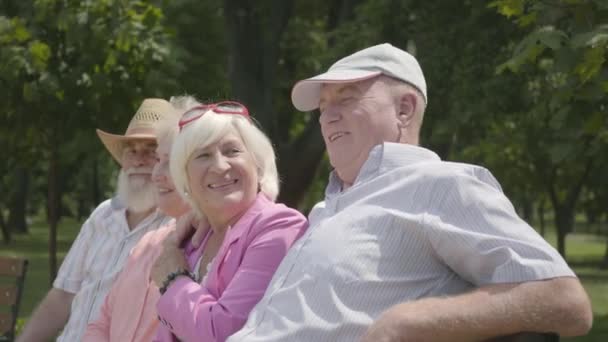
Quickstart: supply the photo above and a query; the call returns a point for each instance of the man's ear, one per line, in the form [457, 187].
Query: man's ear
[407, 109]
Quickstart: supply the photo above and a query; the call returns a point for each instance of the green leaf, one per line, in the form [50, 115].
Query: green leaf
[20, 32]
[508, 8]
[595, 123]
[594, 38]
[559, 152]
[110, 62]
[527, 19]
[30, 91]
[558, 120]
[40, 54]
[591, 64]
[550, 37]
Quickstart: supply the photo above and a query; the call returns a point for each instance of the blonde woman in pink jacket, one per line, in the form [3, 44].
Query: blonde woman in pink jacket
[224, 167]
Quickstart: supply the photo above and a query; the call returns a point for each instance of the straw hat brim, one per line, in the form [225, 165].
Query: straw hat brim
[115, 142]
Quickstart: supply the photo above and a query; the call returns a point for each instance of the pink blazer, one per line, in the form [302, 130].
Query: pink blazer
[240, 272]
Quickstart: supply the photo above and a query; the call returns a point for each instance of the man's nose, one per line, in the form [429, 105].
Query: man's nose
[331, 113]
[139, 160]
[144, 159]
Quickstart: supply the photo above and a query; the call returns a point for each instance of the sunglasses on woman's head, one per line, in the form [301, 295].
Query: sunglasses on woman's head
[225, 107]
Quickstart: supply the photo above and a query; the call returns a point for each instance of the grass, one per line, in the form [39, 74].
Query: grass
[584, 253]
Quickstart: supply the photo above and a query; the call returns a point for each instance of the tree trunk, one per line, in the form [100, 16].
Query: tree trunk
[527, 209]
[541, 217]
[591, 216]
[254, 37]
[564, 207]
[604, 264]
[18, 203]
[254, 50]
[6, 232]
[564, 220]
[53, 210]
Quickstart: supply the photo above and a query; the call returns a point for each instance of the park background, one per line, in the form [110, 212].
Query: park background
[518, 86]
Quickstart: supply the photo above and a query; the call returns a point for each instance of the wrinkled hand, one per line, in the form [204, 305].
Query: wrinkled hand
[184, 228]
[171, 259]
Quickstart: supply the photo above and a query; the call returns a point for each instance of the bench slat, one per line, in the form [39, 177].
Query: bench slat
[6, 323]
[11, 267]
[8, 295]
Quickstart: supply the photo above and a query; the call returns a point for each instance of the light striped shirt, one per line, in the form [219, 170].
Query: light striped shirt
[96, 257]
[411, 226]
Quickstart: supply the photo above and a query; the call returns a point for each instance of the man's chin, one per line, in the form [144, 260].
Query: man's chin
[142, 176]
[140, 182]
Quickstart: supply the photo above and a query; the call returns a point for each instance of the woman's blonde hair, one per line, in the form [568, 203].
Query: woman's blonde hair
[207, 130]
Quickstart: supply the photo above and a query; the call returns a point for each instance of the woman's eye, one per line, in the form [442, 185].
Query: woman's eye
[233, 151]
[203, 155]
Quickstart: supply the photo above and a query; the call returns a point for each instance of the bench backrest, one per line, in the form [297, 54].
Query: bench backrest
[12, 279]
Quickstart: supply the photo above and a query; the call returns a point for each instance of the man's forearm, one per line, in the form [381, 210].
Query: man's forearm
[558, 305]
[49, 318]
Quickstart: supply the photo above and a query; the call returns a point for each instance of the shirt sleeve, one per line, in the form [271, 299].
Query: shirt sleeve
[193, 313]
[478, 234]
[72, 270]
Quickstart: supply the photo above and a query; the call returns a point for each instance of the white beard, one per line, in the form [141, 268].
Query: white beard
[137, 193]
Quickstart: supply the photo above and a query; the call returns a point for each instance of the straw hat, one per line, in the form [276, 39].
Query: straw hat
[141, 127]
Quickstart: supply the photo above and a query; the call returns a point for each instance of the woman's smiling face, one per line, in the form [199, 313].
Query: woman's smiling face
[223, 177]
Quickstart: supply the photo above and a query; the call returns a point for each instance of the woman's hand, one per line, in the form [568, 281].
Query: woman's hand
[189, 227]
[171, 259]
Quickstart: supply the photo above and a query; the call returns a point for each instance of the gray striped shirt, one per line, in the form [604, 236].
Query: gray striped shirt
[96, 257]
[411, 226]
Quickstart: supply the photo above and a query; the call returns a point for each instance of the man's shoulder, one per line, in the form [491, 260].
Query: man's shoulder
[102, 212]
[449, 173]
[107, 207]
[270, 213]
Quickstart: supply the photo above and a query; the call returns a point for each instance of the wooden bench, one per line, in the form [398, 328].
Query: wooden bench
[12, 277]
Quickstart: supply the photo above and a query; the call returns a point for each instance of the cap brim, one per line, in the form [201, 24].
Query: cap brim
[113, 142]
[305, 94]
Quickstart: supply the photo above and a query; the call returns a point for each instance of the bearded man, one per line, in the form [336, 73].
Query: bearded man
[99, 252]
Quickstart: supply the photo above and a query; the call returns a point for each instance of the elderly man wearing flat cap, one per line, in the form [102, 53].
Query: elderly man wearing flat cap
[106, 238]
[405, 246]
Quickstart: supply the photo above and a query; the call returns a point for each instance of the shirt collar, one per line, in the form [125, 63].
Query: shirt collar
[383, 158]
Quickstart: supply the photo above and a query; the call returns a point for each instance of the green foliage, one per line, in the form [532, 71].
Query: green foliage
[563, 59]
[66, 68]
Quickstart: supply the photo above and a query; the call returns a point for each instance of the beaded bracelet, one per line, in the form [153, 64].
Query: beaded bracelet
[172, 276]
